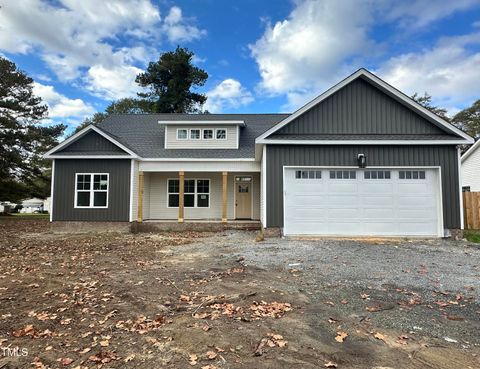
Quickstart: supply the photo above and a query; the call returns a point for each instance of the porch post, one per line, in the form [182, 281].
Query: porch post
[181, 177]
[140, 197]
[224, 197]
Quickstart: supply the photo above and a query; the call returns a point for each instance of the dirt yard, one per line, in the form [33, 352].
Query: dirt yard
[193, 300]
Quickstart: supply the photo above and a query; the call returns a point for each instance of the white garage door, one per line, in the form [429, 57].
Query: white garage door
[363, 202]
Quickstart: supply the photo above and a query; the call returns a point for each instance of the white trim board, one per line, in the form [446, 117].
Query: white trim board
[471, 150]
[373, 78]
[52, 185]
[198, 122]
[362, 142]
[80, 134]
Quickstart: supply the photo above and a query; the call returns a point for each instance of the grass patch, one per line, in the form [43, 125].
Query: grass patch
[19, 216]
[472, 236]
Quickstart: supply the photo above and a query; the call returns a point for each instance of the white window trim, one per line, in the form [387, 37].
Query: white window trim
[182, 129]
[195, 205]
[92, 191]
[199, 134]
[221, 129]
[208, 129]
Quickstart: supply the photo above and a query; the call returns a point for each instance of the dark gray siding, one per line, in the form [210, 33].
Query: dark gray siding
[118, 192]
[92, 143]
[360, 108]
[443, 156]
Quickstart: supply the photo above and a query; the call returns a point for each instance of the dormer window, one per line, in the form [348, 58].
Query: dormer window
[182, 134]
[194, 134]
[221, 134]
[208, 134]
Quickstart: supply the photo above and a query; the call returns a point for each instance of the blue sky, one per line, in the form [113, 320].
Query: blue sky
[261, 56]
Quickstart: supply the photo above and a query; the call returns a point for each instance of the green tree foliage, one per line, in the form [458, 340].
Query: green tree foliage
[468, 120]
[22, 138]
[170, 81]
[426, 102]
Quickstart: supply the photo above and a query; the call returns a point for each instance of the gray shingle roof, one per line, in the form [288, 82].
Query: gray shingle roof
[145, 136]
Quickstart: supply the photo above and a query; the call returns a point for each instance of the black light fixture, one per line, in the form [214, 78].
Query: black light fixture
[362, 161]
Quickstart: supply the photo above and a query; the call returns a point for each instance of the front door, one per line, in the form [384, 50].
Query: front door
[243, 200]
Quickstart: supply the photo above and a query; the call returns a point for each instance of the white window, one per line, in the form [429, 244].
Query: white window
[182, 134]
[308, 174]
[411, 174]
[194, 134]
[91, 190]
[208, 134]
[221, 134]
[377, 174]
[196, 193]
[343, 174]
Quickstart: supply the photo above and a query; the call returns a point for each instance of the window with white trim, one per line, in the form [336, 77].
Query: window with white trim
[411, 174]
[196, 193]
[221, 134]
[194, 134]
[208, 134]
[377, 174]
[343, 174]
[182, 134]
[308, 174]
[91, 190]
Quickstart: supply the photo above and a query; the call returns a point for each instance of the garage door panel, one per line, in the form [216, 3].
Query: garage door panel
[359, 206]
[381, 213]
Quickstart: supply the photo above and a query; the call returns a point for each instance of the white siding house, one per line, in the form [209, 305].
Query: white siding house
[471, 168]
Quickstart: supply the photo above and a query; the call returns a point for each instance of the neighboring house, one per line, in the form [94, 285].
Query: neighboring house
[360, 159]
[32, 205]
[471, 168]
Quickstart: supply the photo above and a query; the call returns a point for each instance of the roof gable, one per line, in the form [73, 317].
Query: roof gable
[91, 141]
[363, 104]
[470, 151]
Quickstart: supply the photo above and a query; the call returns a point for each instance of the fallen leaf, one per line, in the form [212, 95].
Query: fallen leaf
[104, 343]
[211, 355]
[379, 336]
[341, 336]
[67, 361]
[330, 365]
[129, 358]
[48, 348]
[193, 359]
[85, 350]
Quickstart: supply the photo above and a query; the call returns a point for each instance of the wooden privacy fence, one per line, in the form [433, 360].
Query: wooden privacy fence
[471, 210]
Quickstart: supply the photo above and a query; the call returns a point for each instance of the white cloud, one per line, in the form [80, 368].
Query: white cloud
[228, 94]
[60, 106]
[420, 13]
[112, 83]
[178, 29]
[72, 36]
[322, 41]
[449, 71]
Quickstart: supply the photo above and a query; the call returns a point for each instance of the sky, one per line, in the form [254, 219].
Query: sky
[262, 56]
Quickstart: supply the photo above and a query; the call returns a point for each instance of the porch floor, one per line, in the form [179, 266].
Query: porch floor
[211, 225]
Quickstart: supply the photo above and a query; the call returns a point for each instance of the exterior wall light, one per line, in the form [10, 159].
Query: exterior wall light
[362, 161]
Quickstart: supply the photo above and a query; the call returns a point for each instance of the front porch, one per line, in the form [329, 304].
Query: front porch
[194, 225]
[165, 200]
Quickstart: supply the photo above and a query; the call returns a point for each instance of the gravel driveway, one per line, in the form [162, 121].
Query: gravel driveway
[429, 279]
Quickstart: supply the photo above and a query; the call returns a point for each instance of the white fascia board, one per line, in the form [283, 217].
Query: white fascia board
[363, 72]
[80, 134]
[470, 151]
[89, 157]
[362, 142]
[198, 122]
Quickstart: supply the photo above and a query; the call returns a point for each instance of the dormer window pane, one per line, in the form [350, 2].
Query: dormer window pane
[221, 134]
[208, 134]
[194, 134]
[182, 134]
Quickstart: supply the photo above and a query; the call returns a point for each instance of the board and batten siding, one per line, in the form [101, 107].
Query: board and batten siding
[172, 143]
[471, 171]
[92, 143]
[360, 108]
[155, 196]
[378, 156]
[118, 190]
